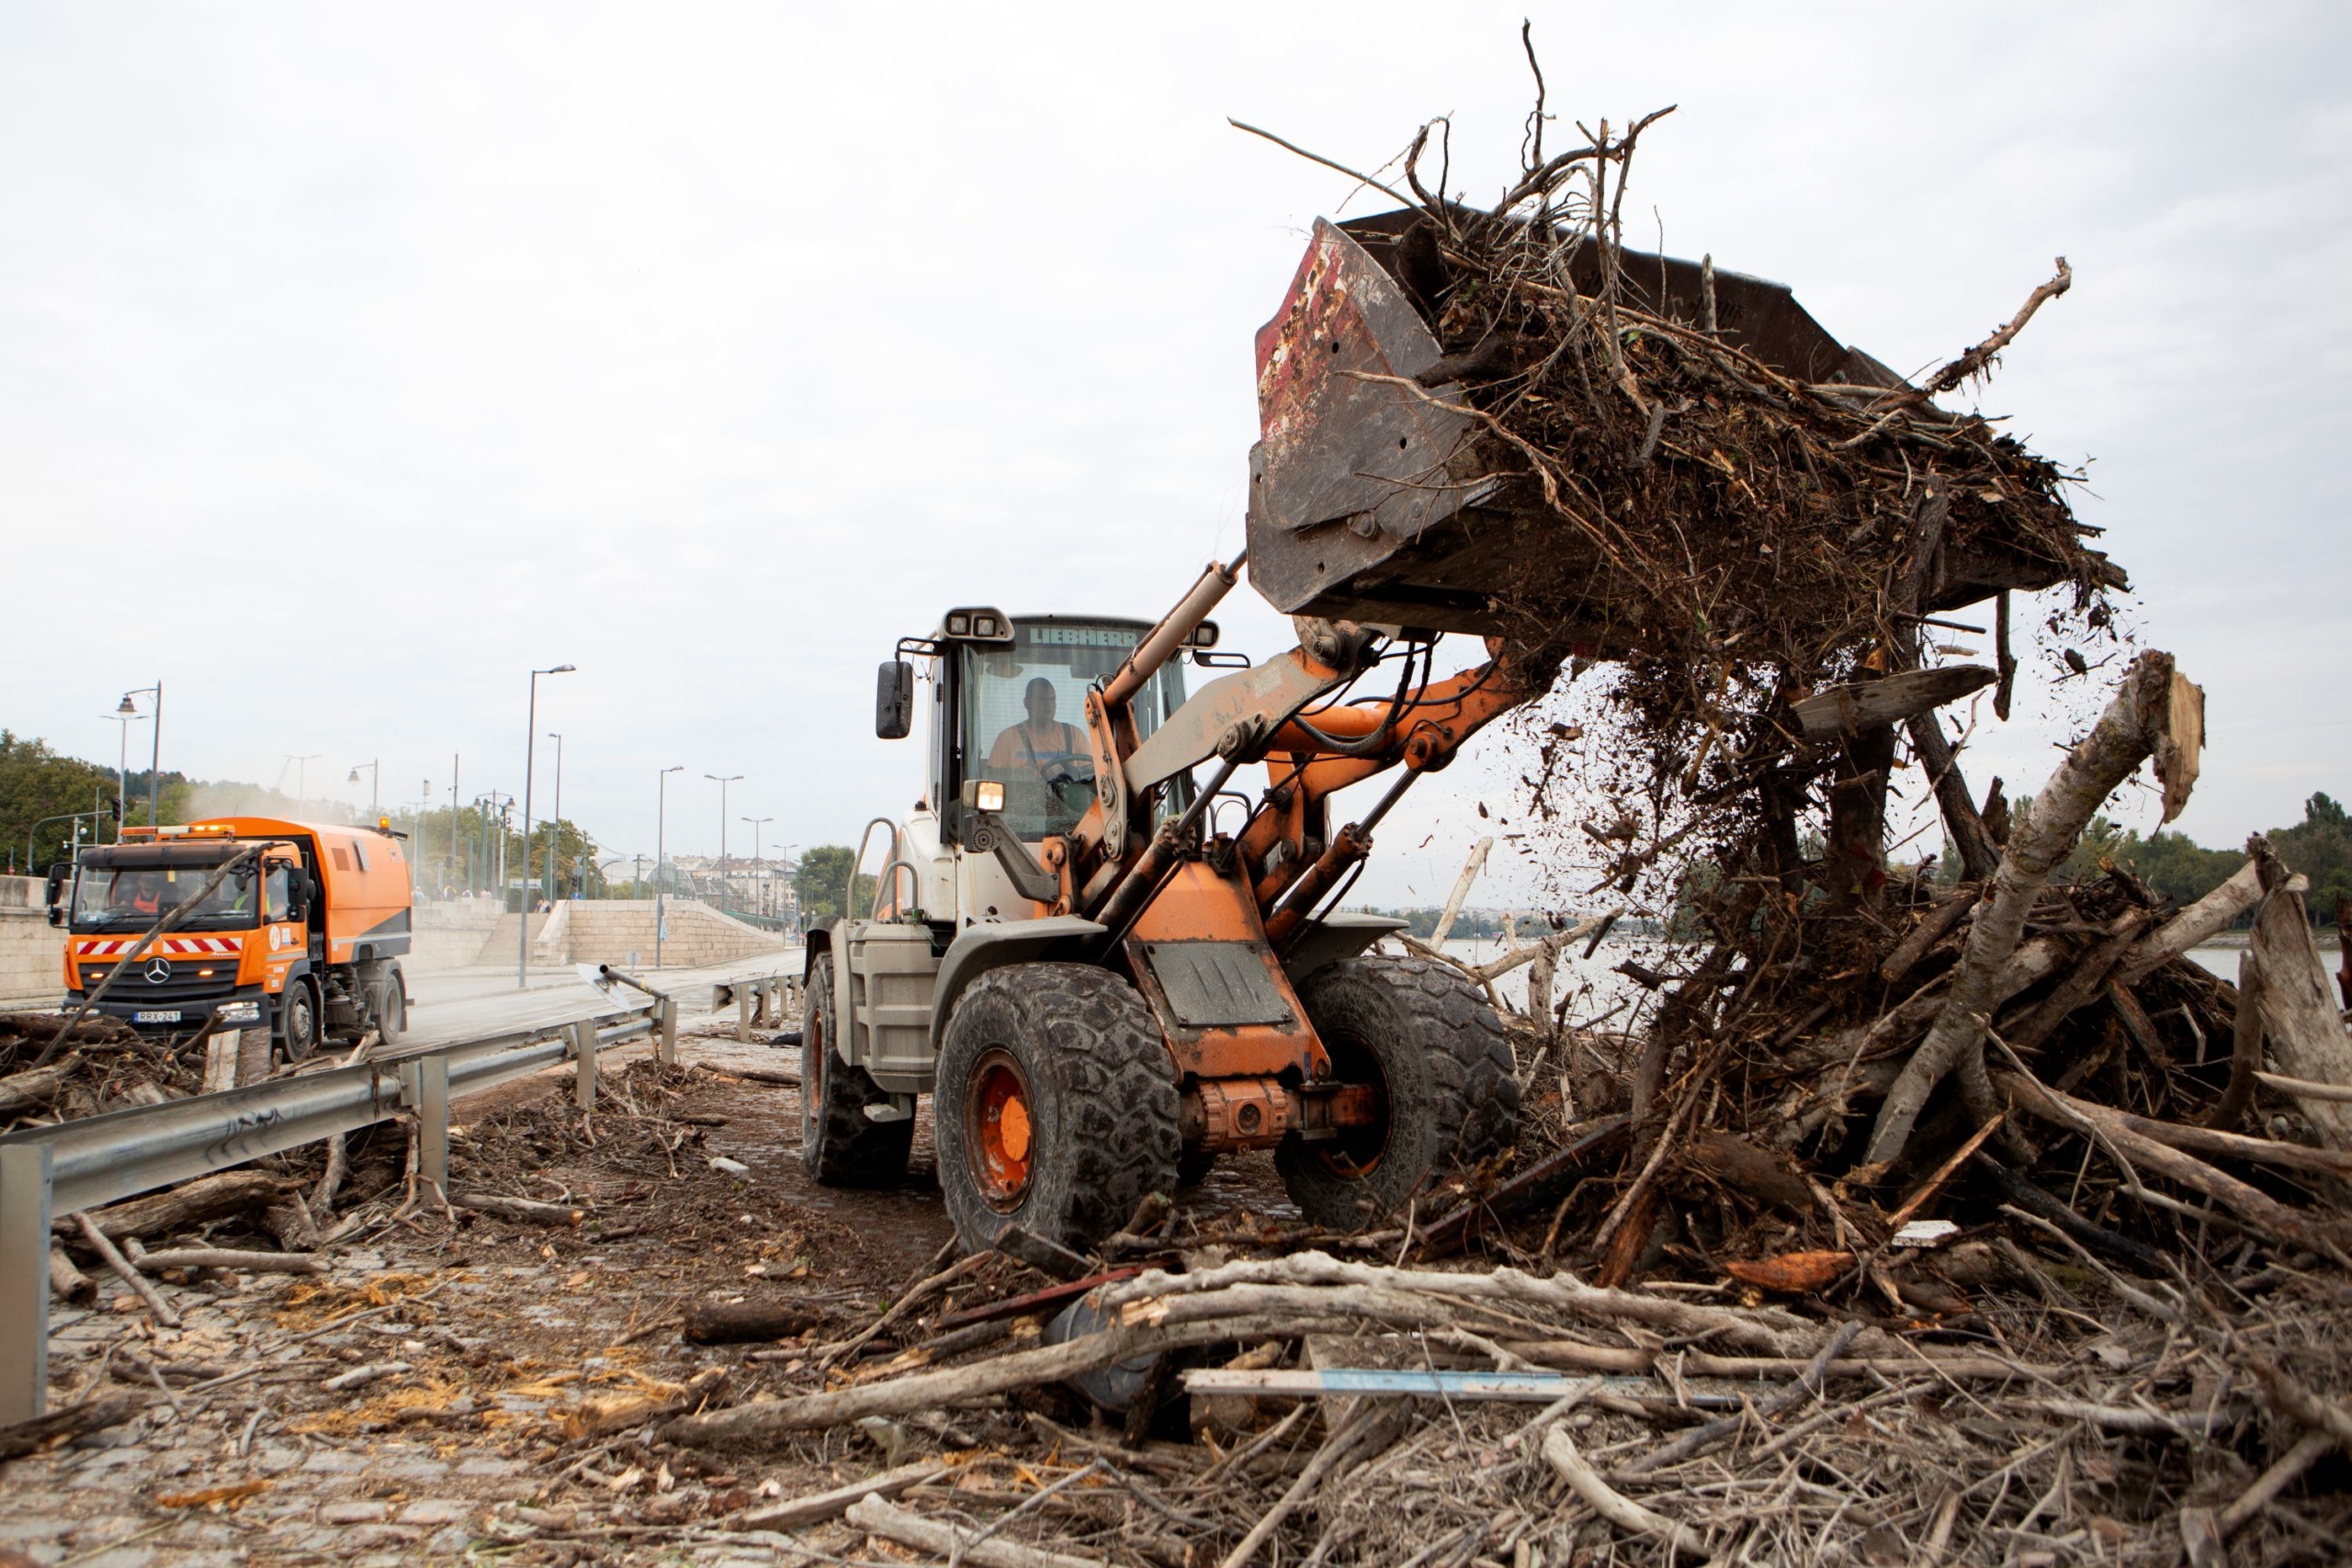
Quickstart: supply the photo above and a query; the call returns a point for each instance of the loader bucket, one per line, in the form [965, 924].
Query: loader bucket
[1370, 497]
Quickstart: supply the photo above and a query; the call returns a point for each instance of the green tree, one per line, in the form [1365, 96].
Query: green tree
[2176, 865]
[36, 782]
[2320, 846]
[818, 883]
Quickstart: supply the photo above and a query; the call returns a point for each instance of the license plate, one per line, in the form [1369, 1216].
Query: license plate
[170, 1016]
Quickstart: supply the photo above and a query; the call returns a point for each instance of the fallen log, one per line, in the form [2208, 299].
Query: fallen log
[523, 1211]
[1848, 710]
[1577, 1356]
[819, 1506]
[1000, 1374]
[954, 1544]
[221, 1258]
[22, 1091]
[739, 1323]
[20, 1437]
[1941, 919]
[1774, 1333]
[2299, 1014]
[2082, 985]
[2132, 729]
[2258, 1208]
[184, 1207]
[2193, 925]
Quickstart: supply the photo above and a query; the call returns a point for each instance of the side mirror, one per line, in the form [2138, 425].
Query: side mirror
[894, 700]
[56, 885]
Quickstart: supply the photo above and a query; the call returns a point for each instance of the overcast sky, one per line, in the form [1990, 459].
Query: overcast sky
[354, 360]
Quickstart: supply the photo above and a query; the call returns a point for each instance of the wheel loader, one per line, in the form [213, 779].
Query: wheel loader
[1105, 965]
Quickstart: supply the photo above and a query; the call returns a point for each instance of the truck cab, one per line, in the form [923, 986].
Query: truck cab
[302, 937]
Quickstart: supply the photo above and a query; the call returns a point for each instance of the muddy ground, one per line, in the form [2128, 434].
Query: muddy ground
[507, 1338]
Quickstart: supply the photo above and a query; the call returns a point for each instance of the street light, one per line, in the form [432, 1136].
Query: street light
[555, 822]
[530, 755]
[126, 716]
[660, 848]
[154, 756]
[375, 786]
[723, 784]
[759, 879]
[301, 775]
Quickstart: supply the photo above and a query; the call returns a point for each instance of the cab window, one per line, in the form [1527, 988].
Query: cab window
[280, 891]
[1024, 717]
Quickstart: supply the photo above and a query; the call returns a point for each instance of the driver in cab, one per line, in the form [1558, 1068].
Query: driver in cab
[1042, 743]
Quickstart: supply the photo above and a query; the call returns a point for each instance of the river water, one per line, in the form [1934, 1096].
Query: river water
[1599, 987]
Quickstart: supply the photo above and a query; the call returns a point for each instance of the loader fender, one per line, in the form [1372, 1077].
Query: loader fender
[1341, 934]
[980, 948]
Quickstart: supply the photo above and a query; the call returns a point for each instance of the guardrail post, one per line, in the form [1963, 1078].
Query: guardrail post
[24, 1281]
[665, 1023]
[743, 1012]
[583, 1049]
[433, 1123]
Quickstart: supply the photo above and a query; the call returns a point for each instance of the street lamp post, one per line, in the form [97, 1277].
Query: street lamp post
[125, 714]
[759, 870]
[302, 776]
[723, 784]
[660, 848]
[375, 786]
[530, 755]
[450, 878]
[155, 737]
[555, 823]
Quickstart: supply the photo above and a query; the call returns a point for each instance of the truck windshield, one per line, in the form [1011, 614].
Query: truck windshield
[1024, 717]
[131, 898]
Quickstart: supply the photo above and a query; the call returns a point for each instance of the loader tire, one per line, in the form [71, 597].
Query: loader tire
[839, 1144]
[1056, 1108]
[1432, 1045]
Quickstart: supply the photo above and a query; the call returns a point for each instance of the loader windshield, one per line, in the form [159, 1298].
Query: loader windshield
[1025, 716]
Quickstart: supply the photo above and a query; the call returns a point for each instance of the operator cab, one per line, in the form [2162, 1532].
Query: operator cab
[1008, 708]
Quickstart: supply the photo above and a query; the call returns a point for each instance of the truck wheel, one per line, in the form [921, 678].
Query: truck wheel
[1056, 1108]
[388, 1007]
[299, 1021]
[1428, 1042]
[839, 1144]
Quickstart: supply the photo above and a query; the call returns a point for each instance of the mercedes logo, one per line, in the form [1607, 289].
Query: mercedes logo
[158, 971]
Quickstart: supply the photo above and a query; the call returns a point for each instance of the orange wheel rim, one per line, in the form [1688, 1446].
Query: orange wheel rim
[1357, 1152]
[1000, 1129]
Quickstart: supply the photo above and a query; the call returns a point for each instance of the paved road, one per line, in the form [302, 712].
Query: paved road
[451, 1003]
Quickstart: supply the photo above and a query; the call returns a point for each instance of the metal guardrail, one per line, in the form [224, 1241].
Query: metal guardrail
[93, 1160]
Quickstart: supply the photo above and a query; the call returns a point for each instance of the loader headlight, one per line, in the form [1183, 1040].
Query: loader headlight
[984, 794]
[239, 1012]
